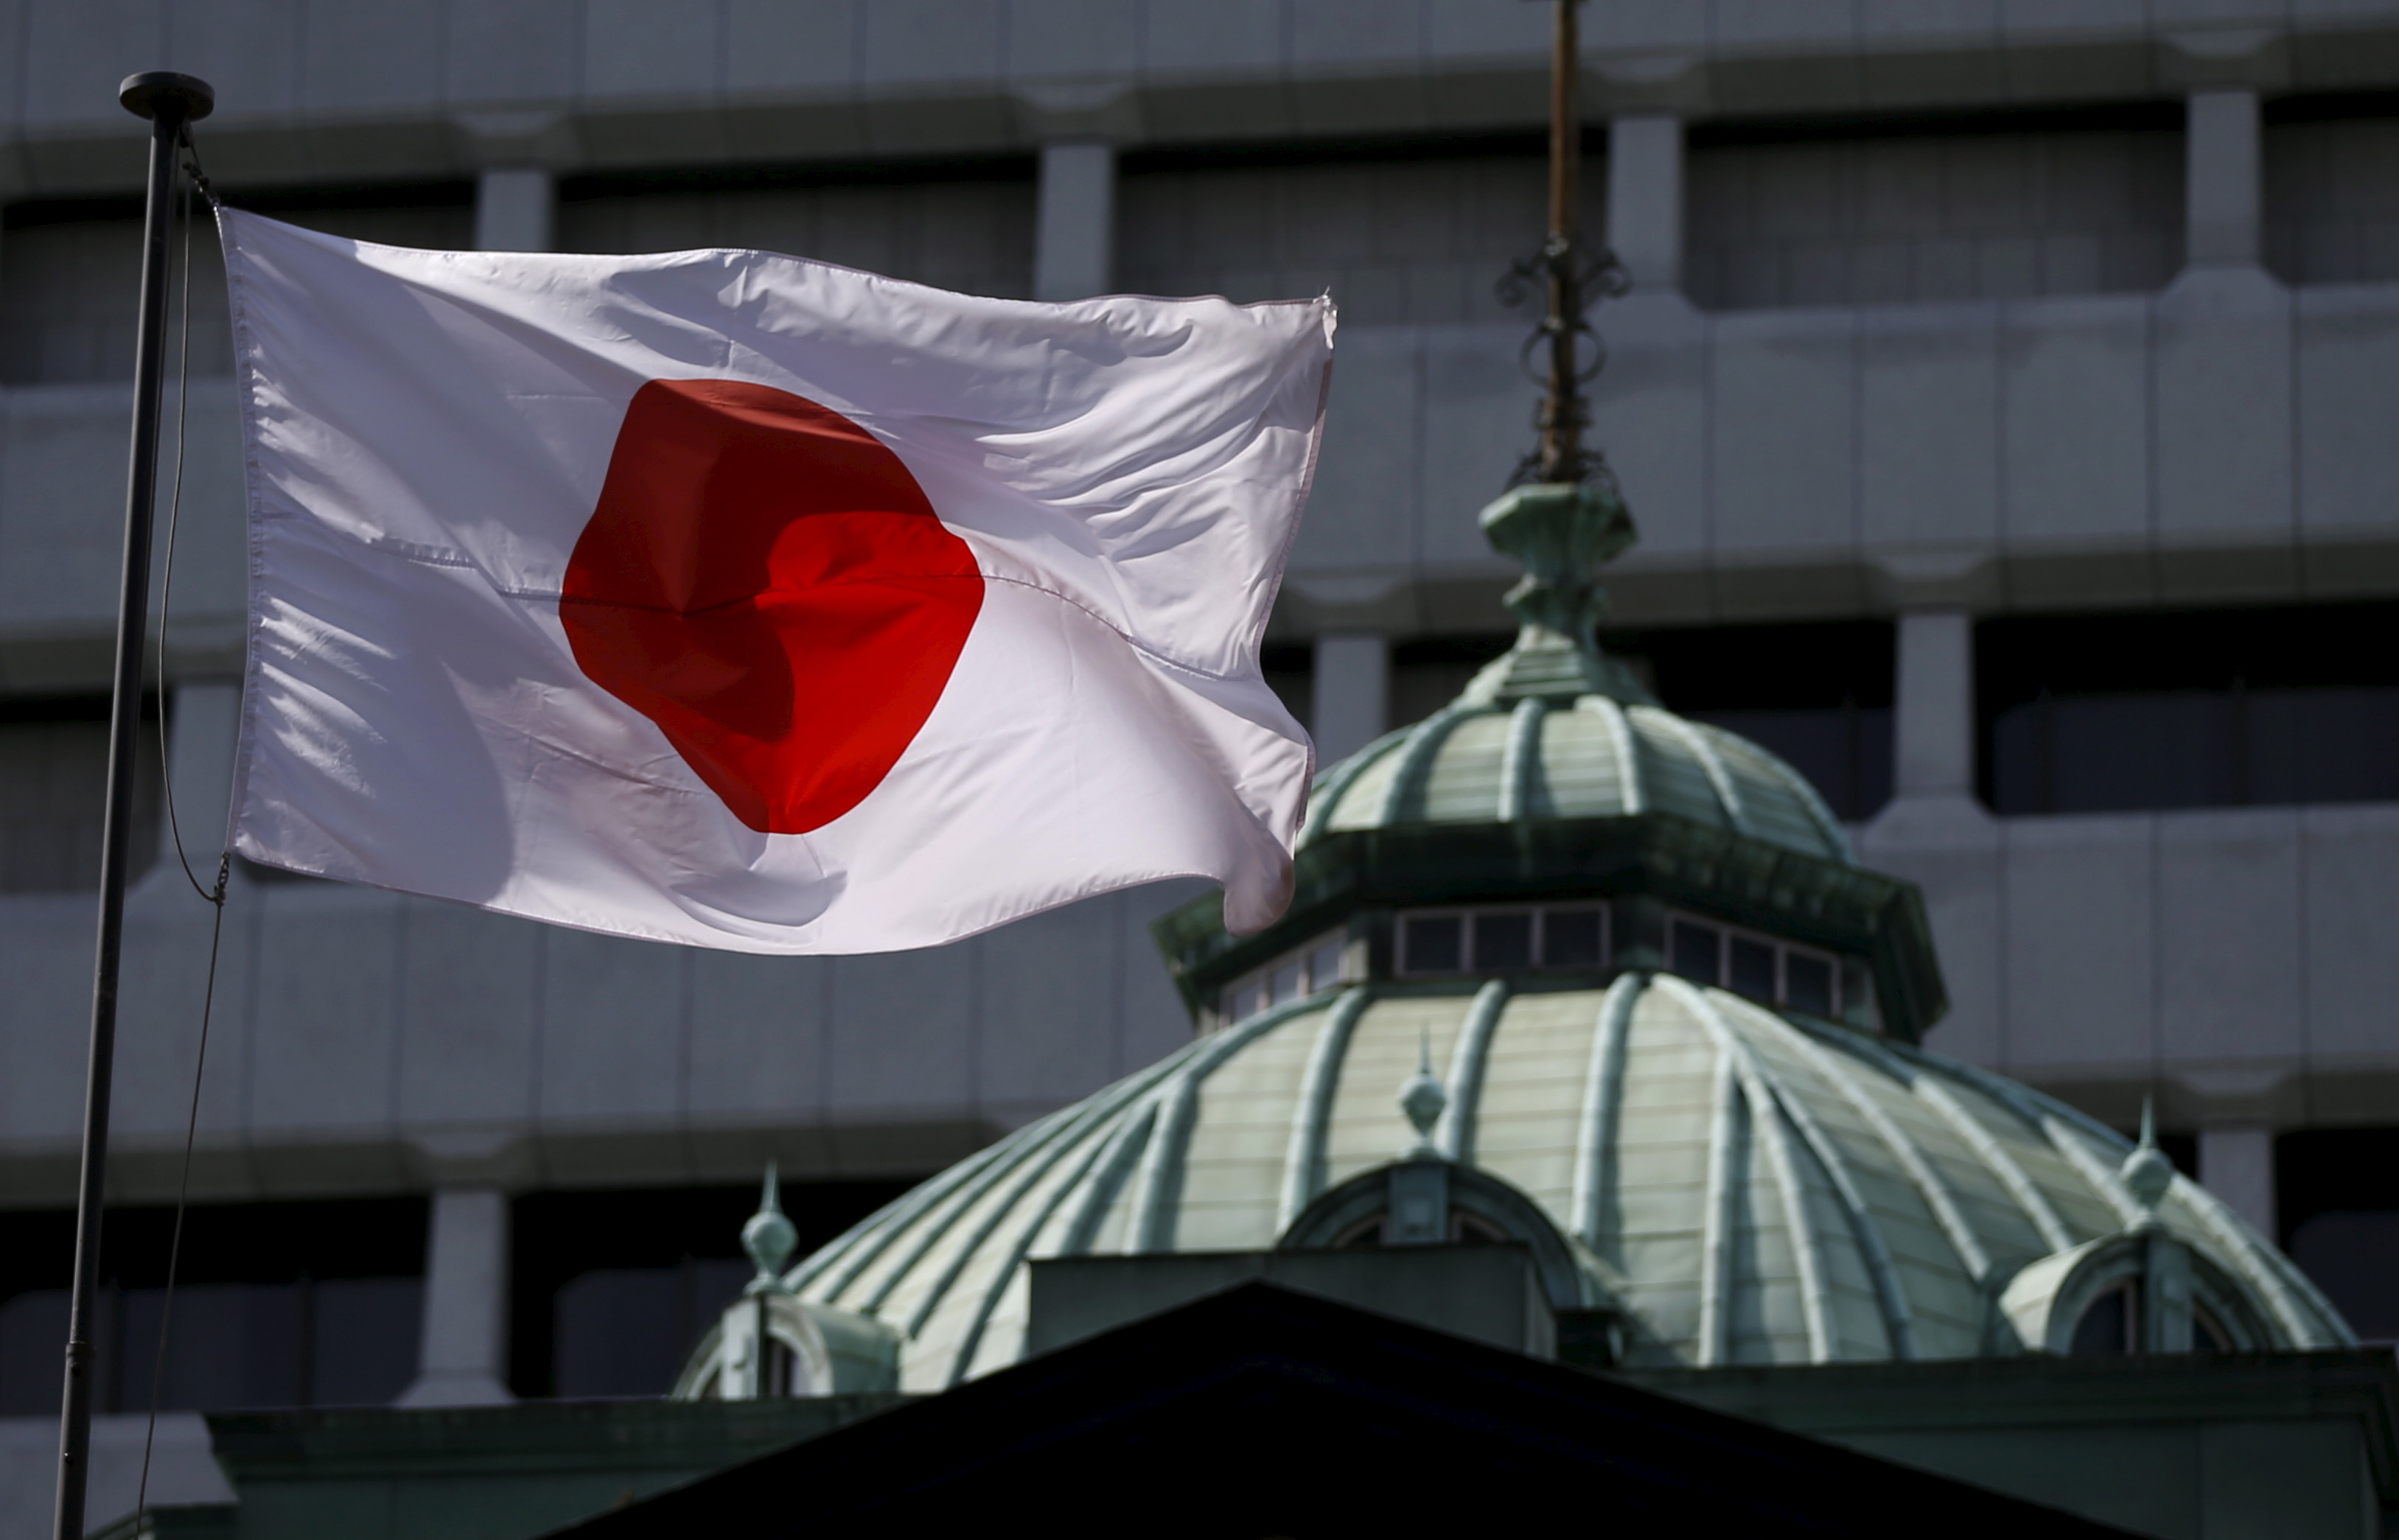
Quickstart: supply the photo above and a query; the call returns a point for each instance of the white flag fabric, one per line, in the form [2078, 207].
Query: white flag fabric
[738, 600]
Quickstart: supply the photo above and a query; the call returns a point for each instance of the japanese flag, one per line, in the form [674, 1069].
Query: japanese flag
[738, 599]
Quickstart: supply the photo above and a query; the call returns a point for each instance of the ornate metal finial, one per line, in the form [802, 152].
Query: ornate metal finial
[1563, 516]
[2147, 1173]
[1423, 1100]
[769, 1237]
[1572, 278]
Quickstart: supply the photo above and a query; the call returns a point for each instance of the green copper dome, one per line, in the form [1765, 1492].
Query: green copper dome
[1565, 970]
[1556, 776]
[1556, 729]
[1731, 1184]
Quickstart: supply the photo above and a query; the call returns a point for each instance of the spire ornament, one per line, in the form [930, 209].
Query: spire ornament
[2147, 1173]
[1572, 278]
[1423, 1100]
[769, 1237]
[1564, 516]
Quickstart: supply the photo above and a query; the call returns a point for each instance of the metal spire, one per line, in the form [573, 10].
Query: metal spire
[1572, 278]
[1423, 1100]
[769, 1237]
[2147, 1173]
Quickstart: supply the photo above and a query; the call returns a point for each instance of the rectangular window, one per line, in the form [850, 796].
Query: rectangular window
[1296, 975]
[1807, 983]
[53, 790]
[1751, 968]
[1324, 963]
[1432, 943]
[2230, 708]
[1695, 951]
[1573, 937]
[1503, 940]
[304, 1303]
[1758, 967]
[1564, 937]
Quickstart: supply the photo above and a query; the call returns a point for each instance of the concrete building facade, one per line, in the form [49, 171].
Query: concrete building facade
[1990, 372]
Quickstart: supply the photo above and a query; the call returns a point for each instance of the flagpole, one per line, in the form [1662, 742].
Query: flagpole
[170, 101]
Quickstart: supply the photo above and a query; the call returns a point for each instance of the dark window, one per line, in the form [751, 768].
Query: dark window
[2337, 1195]
[612, 1290]
[1695, 951]
[2111, 1325]
[276, 1305]
[1291, 675]
[1807, 983]
[1817, 696]
[1570, 938]
[67, 310]
[1753, 969]
[2213, 709]
[1503, 940]
[1433, 943]
[54, 790]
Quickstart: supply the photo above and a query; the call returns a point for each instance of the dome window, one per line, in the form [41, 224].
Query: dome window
[1559, 938]
[2110, 1323]
[1759, 968]
[1321, 964]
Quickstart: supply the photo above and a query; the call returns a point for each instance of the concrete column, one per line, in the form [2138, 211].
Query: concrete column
[462, 1358]
[1934, 733]
[2223, 198]
[1644, 198]
[1353, 688]
[1074, 232]
[2236, 1163]
[515, 210]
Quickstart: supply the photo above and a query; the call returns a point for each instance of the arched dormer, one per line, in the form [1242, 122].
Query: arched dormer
[771, 1343]
[1428, 1200]
[2143, 1289]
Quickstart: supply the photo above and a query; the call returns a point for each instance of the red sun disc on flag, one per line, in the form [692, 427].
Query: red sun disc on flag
[767, 582]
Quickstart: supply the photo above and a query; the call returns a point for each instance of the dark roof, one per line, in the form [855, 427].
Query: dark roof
[1262, 1412]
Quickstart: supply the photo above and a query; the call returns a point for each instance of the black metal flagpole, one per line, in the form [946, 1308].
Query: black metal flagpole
[171, 102]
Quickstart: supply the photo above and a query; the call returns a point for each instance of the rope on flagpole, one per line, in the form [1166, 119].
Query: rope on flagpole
[216, 896]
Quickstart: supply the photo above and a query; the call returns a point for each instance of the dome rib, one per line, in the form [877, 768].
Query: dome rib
[1720, 781]
[1718, 1221]
[1602, 1097]
[1416, 757]
[1303, 1167]
[1009, 1155]
[1521, 761]
[873, 1236]
[1336, 784]
[1454, 1137]
[1160, 1180]
[2012, 1175]
[1633, 794]
[1899, 1316]
[970, 1341]
[1126, 1146]
[1830, 1063]
[1027, 1174]
[1769, 1114]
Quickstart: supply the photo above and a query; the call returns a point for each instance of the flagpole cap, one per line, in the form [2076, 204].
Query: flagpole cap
[191, 97]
